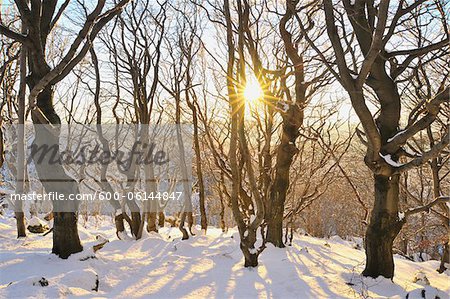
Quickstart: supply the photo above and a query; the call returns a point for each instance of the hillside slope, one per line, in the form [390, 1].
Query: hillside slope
[163, 266]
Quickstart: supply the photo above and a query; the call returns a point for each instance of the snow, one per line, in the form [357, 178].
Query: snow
[210, 266]
[401, 216]
[284, 107]
[35, 221]
[6, 191]
[410, 152]
[388, 159]
[421, 278]
[397, 134]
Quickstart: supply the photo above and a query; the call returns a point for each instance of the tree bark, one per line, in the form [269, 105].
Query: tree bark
[135, 223]
[275, 227]
[151, 222]
[383, 227]
[65, 232]
[201, 185]
[445, 259]
[21, 166]
[161, 219]
[65, 235]
[222, 211]
[285, 155]
[292, 121]
[250, 260]
[20, 221]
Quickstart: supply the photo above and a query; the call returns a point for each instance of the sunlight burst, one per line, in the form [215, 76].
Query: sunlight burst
[253, 91]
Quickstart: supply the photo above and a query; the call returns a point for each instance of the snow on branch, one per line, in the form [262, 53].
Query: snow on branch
[432, 107]
[388, 160]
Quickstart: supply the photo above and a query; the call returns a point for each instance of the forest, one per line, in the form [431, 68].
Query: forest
[224, 148]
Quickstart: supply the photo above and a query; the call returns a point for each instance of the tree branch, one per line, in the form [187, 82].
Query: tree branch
[93, 25]
[426, 208]
[376, 46]
[432, 153]
[13, 35]
[59, 13]
[433, 107]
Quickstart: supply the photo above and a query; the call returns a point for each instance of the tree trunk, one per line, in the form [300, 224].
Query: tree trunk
[187, 208]
[383, 227]
[53, 176]
[135, 223]
[285, 155]
[201, 186]
[292, 121]
[190, 218]
[120, 228]
[161, 219]
[21, 165]
[445, 259]
[151, 222]
[106, 186]
[20, 220]
[198, 165]
[65, 235]
[222, 212]
[275, 225]
[247, 247]
[250, 260]
[181, 226]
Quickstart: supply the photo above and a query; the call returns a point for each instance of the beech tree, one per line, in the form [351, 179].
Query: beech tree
[40, 18]
[137, 54]
[373, 56]
[13, 68]
[308, 77]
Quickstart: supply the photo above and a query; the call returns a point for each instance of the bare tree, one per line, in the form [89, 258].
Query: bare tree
[13, 68]
[364, 35]
[21, 165]
[40, 19]
[135, 47]
[182, 48]
[306, 84]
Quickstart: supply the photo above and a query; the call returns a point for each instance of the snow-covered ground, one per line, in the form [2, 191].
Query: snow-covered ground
[163, 266]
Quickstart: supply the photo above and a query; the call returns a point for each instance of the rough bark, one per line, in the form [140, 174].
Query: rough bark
[285, 155]
[104, 183]
[445, 259]
[383, 227]
[161, 219]
[135, 223]
[250, 260]
[65, 233]
[151, 222]
[292, 121]
[201, 185]
[21, 166]
[20, 222]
